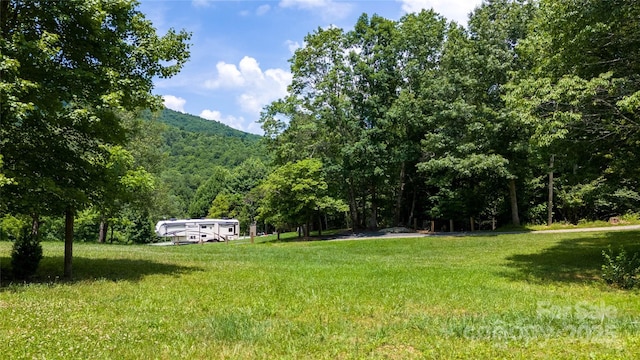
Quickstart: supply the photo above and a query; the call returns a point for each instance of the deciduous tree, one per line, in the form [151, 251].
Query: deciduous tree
[69, 68]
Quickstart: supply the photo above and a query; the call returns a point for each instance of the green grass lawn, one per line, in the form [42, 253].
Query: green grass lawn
[502, 296]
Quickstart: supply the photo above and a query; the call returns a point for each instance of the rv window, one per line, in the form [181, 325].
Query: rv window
[231, 230]
[204, 226]
[192, 237]
[204, 235]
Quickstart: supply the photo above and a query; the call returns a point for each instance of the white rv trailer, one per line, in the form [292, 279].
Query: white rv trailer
[198, 230]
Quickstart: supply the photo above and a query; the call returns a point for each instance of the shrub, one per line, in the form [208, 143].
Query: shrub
[621, 270]
[26, 254]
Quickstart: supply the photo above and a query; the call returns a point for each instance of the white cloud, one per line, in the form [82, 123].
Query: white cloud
[174, 102]
[228, 77]
[456, 10]
[211, 114]
[232, 121]
[271, 86]
[255, 128]
[263, 9]
[328, 9]
[250, 70]
[256, 87]
[293, 46]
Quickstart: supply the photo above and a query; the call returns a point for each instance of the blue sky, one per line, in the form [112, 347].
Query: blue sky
[240, 48]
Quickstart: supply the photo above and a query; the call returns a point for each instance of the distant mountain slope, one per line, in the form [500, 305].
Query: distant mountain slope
[197, 124]
[194, 147]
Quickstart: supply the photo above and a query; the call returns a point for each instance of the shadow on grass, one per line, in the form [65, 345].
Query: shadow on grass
[574, 260]
[89, 269]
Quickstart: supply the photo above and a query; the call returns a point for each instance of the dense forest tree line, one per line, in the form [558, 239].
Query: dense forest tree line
[527, 114]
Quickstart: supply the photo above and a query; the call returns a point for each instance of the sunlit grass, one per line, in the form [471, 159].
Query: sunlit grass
[500, 296]
[630, 219]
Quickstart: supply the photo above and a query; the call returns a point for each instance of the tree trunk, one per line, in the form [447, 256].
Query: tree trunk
[68, 243]
[413, 207]
[401, 184]
[307, 229]
[515, 218]
[104, 229]
[550, 200]
[373, 222]
[320, 225]
[363, 214]
[353, 207]
[35, 224]
[326, 222]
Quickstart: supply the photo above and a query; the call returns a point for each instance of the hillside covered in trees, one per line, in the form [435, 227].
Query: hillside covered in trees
[195, 149]
[528, 114]
[178, 154]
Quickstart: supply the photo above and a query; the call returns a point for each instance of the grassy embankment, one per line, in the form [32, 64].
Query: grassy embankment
[496, 296]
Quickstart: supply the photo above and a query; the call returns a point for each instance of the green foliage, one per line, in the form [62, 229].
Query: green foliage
[86, 225]
[140, 230]
[410, 119]
[597, 199]
[26, 254]
[225, 205]
[579, 94]
[622, 269]
[207, 192]
[11, 227]
[194, 147]
[71, 71]
[296, 192]
[103, 59]
[3, 179]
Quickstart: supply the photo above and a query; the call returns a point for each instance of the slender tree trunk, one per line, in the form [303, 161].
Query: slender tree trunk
[363, 214]
[104, 229]
[320, 225]
[307, 229]
[68, 243]
[550, 200]
[401, 184]
[35, 224]
[515, 218]
[373, 222]
[413, 205]
[353, 207]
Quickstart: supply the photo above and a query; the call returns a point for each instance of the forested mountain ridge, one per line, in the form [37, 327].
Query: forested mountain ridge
[193, 148]
[194, 144]
[192, 123]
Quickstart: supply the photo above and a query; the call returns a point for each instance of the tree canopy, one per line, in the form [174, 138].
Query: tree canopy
[69, 69]
[421, 118]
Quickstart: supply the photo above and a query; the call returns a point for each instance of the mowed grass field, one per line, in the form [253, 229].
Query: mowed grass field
[521, 296]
